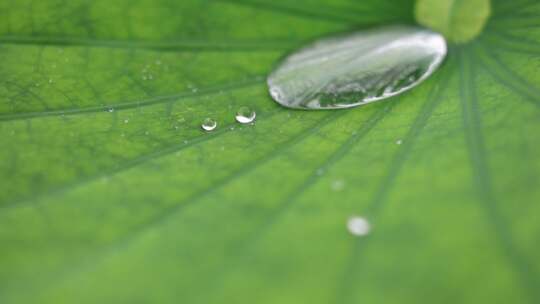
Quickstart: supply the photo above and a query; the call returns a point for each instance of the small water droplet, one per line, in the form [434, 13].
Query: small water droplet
[126, 120]
[192, 87]
[209, 124]
[356, 69]
[110, 110]
[358, 226]
[245, 115]
[338, 185]
[399, 142]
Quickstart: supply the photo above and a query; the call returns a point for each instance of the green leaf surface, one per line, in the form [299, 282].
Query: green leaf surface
[460, 21]
[111, 192]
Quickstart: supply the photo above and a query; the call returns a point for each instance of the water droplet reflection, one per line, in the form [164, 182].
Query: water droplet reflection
[209, 124]
[357, 69]
[245, 115]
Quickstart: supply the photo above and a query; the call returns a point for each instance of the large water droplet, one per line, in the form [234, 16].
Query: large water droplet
[209, 124]
[245, 115]
[358, 68]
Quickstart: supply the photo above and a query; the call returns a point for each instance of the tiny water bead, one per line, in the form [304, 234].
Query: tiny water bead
[357, 69]
[338, 185]
[245, 115]
[358, 226]
[209, 124]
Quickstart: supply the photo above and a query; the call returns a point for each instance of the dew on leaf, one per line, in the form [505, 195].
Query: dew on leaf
[209, 124]
[245, 115]
[338, 185]
[357, 69]
[358, 226]
[399, 142]
[192, 87]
